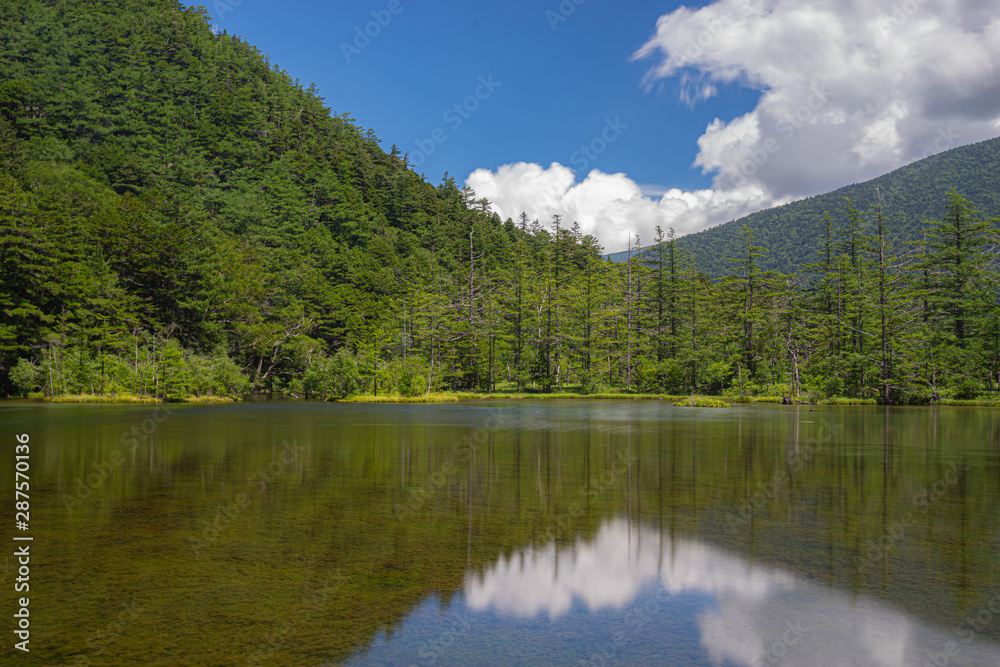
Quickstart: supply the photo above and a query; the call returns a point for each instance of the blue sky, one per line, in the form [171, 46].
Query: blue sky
[736, 105]
[557, 87]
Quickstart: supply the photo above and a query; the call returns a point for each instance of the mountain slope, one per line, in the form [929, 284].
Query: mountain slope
[160, 181]
[793, 233]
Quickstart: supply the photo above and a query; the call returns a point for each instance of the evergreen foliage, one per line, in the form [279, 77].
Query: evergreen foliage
[179, 217]
[909, 195]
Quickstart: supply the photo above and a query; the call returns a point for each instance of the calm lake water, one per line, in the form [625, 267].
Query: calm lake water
[508, 533]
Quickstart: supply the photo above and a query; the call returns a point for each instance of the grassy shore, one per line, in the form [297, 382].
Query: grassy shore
[836, 400]
[129, 398]
[455, 397]
[697, 400]
[982, 402]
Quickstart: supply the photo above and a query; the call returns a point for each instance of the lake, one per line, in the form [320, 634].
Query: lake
[511, 533]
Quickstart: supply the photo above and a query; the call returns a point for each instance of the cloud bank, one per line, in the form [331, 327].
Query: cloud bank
[850, 89]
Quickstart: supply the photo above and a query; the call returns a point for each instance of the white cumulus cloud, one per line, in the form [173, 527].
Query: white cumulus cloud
[608, 206]
[850, 89]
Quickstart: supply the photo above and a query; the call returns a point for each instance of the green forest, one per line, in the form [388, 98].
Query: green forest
[180, 217]
[909, 195]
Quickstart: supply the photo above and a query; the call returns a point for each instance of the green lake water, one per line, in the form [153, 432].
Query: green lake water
[506, 533]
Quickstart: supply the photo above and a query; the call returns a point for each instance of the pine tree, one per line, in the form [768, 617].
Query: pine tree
[749, 287]
[960, 291]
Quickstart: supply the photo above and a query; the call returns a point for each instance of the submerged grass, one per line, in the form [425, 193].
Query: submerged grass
[702, 402]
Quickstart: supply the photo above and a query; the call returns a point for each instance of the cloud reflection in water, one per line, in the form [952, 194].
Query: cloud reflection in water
[762, 615]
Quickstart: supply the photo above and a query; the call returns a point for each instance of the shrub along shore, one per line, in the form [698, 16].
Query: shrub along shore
[460, 396]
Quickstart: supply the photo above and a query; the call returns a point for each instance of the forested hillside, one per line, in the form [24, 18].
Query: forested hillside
[166, 190]
[911, 194]
[180, 217]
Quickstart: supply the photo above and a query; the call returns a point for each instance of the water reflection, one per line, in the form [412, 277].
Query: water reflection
[631, 595]
[706, 537]
[611, 570]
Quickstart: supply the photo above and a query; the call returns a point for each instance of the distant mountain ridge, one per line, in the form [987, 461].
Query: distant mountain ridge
[793, 233]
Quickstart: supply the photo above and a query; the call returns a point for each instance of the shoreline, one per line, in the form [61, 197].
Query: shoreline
[456, 397]
[124, 399]
[471, 396]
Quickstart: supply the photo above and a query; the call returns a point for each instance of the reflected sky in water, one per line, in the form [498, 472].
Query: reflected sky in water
[684, 537]
[631, 595]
